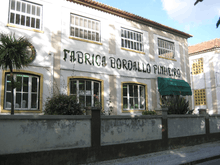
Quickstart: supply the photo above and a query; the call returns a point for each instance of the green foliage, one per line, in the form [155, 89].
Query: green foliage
[149, 113]
[13, 55]
[176, 105]
[62, 105]
[13, 52]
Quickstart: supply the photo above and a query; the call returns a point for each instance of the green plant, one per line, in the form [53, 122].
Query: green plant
[14, 54]
[62, 104]
[149, 112]
[176, 105]
[110, 108]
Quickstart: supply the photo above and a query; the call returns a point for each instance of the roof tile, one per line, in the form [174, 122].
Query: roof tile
[127, 15]
[204, 46]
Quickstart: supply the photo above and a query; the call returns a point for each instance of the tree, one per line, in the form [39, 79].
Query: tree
[218, 22]
[14, 54]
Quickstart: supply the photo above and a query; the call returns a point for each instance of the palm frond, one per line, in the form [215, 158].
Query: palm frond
[13, 51]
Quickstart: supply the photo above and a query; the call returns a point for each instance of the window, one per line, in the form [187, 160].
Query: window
[166, 49]
[25, 14]
[133, 97]
[200, 97]
[88, 92]
[197, 66]
[85, 28]
[26, 94]
[131, 40]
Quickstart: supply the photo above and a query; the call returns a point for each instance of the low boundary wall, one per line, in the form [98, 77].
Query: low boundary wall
[68, 140]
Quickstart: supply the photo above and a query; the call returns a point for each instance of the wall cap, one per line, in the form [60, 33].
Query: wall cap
[130, 117]
[44, 117]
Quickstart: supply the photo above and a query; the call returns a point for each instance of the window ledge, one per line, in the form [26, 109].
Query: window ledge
[24, 28]
[128, 111]
[133, 50]
[21, 111]
[84, 40]
[167, 58]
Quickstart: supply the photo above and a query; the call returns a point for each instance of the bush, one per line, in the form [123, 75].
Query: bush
[177, 105]
[149, 113]
[62, 105]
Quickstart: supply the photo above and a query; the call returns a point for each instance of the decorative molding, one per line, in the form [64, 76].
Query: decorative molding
[167, 58]
[133, 50]
[84, 40]
[15, 26]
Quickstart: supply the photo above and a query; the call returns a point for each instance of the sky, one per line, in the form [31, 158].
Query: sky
[199, 21]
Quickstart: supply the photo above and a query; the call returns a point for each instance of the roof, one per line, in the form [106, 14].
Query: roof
[130, 16]
[204, 46]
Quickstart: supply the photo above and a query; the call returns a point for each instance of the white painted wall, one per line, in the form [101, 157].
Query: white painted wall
[188, 126]
[125, 130]
[60, 10]
[31, 134]
[203, 80]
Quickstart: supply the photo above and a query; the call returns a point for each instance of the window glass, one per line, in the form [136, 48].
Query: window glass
[200, 97]
[26, 93]
[13, 4]
[26, 14]
[87, 91]
[197, 66]
[86, 28]
[133, 97]
[23, 7]
[128, 37]
[18, 6]
[165, 48]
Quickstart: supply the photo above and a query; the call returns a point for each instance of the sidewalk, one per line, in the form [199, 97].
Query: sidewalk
[186, 155]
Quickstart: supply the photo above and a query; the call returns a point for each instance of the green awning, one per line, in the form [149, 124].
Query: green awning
[169, 86]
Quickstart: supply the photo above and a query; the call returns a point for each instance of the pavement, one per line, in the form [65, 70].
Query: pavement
[197, 154]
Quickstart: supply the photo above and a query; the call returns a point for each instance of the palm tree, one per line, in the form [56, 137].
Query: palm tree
[14, 54]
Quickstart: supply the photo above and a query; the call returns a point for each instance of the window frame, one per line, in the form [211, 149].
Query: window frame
[200, 93]
[22, 110]
[132, 39]
[197, 66]
[126, 110]
[101, 88]
[166, 42]
[26, 14]
[73, 25]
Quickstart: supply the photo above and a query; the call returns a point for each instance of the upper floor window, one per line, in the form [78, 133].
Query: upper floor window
[85, 28]
[26, 94]
[133, 97]
[197, 66]
[200, 97]
[87, 91]
[131, 40]
[166, 49]
[25, 14]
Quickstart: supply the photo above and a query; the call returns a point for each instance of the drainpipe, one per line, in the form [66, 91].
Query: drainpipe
[52, 71]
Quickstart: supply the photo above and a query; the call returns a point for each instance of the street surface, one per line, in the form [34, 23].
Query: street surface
[172, 157]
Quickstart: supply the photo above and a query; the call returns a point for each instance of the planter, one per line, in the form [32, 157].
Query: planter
[202, 111]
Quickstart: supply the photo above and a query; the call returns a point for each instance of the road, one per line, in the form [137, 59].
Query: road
[184, 155]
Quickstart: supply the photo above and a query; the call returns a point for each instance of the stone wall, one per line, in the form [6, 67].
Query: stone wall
[55, 140]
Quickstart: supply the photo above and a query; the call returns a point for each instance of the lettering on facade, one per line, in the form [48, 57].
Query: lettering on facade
[117, 63]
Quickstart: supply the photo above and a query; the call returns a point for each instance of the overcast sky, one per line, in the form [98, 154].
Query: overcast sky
[199, 21]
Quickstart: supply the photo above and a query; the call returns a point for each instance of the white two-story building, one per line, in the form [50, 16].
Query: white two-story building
[205, 75]
[96, 52]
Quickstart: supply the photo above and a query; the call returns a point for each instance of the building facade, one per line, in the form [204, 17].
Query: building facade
[100, 54]
[205, 75]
